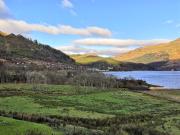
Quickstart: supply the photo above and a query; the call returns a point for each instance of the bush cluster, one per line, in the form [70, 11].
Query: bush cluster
[70, 77]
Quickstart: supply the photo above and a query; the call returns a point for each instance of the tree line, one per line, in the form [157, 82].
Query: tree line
[70, 77]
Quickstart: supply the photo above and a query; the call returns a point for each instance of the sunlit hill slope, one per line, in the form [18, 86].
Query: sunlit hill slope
[92, 58]
[155, 53]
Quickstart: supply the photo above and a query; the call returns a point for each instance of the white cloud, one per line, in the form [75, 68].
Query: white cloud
[19, 26]
[4, 11]
[67, 4]
[177, 25]
[117, 42]
[74, 49]
[169, 21]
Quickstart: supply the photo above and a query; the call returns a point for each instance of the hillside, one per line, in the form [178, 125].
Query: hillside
[155, 53]
[16, 47]
[92, 58]
[101, 63]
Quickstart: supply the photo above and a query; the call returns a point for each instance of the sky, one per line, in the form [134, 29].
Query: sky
[102, 27]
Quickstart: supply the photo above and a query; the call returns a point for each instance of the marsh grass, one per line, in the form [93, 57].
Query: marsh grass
[96, 111]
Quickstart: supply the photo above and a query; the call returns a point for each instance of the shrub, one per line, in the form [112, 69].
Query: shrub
[77, 78]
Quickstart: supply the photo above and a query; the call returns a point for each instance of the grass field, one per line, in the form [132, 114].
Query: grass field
[89, 110]
[10, 126]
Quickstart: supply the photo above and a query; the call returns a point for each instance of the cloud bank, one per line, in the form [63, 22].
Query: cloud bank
[19, 26]
[115, 46]
[117, 42]
[74, 49]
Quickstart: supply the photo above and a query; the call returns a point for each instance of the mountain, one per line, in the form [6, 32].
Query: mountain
[169, 52]
[16, 47]
[96, 62]
[92, 58]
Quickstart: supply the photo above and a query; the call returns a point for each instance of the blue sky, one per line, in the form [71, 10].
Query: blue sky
[105, 27]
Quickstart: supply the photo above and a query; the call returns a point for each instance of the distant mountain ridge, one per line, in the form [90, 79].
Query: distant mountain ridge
[155, 53]
[102, 63]
[165, 56]
[18, 47]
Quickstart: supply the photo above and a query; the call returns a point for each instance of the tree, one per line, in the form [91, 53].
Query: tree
[36, 78]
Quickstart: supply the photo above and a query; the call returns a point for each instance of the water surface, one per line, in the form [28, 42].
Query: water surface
[166, 79]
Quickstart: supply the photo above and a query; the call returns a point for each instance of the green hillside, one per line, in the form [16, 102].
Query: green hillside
[91, 58]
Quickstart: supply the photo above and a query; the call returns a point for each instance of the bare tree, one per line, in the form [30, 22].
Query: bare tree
[36, 78]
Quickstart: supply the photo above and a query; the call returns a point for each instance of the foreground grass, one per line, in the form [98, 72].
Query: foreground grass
[120, 107]
[10, 126]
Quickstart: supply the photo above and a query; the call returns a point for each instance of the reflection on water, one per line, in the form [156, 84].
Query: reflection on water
[167, 79]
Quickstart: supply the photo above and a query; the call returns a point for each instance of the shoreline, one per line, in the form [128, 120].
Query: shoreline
[172, 95]
[162, 88]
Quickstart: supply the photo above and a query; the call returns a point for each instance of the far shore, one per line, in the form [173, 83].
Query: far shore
[162, 88]
[168, 94]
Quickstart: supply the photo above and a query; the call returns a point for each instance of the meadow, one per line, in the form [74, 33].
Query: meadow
[71, 110]
[10, 126]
